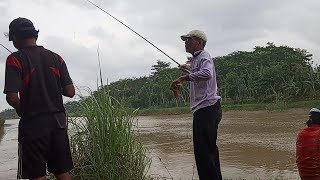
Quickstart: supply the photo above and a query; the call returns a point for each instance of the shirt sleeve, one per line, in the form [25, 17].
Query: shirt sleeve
[64, 74]
[13, 78]
[203, 72]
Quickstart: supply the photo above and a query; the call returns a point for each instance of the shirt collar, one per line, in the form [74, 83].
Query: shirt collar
[195, 54]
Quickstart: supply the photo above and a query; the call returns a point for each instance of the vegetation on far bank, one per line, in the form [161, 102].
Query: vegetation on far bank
[156, 111]
[234, 107]
[267, 78]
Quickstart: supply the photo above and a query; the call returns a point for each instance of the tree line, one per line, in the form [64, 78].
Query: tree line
[267, 74]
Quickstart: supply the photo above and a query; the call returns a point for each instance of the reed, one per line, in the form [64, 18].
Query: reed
[105, 143]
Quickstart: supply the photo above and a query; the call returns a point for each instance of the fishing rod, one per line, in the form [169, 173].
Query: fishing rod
[134, 32]
[5, 48]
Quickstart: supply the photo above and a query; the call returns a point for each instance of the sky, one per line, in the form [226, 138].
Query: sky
[77, 31]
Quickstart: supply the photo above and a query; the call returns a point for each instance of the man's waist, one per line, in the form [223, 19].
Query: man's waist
[204, 103]
[28, 114]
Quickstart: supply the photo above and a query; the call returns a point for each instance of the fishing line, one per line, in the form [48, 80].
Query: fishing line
[5, 48]
[133, 31]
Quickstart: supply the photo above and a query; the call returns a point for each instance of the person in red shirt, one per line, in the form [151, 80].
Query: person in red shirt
[308, 148]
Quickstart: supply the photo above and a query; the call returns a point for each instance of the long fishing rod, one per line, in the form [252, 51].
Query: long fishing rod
[5, 48]
[134, 32]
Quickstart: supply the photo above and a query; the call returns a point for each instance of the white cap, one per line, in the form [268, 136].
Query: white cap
[314, 110]
[195, 33]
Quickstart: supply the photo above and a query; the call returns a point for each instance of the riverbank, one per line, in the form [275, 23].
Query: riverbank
[281, 106]
[226, 106]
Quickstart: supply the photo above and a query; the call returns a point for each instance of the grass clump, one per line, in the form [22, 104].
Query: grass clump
[104, 142]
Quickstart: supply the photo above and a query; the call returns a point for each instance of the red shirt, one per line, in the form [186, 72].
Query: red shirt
[308, 153]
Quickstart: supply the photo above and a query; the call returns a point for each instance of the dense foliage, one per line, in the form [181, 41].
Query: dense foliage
[268, 74]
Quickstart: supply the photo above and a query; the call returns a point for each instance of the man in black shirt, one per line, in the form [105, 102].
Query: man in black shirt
[35, 80]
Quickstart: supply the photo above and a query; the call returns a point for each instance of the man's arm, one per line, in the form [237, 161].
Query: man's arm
[205, 71]
[14, 101]
[66, 82]
[68, 91]
[13, 82]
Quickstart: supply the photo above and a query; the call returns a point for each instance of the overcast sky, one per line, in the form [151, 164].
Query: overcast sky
[75, 29]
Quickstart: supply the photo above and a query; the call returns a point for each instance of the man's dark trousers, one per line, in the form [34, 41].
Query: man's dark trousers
[205, 130]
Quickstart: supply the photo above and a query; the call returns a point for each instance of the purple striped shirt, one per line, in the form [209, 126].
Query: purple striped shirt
[203, 83]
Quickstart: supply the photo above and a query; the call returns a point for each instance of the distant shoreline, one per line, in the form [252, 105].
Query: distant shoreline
[159, 111]
[281, 106]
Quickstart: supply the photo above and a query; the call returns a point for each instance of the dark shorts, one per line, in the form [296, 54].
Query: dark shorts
[51, 151]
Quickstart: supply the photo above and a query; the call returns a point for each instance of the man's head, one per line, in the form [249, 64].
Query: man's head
[20, 30]
[314, 116]
[195, 40]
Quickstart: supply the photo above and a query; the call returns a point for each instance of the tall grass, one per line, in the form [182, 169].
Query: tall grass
[104, 142]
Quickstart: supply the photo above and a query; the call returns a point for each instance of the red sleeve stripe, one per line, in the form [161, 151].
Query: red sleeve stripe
[55, 70]
[13, 61]
[26, 80]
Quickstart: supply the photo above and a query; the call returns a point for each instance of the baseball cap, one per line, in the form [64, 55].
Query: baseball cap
[195, 33]
[314, 112]
[22, 28]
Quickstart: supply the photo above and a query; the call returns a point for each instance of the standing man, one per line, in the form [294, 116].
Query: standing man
[35, 80]
[205, 105]
[308, 148]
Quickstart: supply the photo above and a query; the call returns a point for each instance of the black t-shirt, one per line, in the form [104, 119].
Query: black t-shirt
[39, 76]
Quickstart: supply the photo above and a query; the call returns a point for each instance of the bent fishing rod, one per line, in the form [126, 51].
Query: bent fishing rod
[134, 32]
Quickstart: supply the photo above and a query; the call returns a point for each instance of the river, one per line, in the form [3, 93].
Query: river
[253, 145]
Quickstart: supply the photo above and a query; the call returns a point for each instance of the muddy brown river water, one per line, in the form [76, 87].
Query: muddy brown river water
[253, 145]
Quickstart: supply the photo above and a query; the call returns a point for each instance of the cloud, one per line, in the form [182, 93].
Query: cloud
[75, 29]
